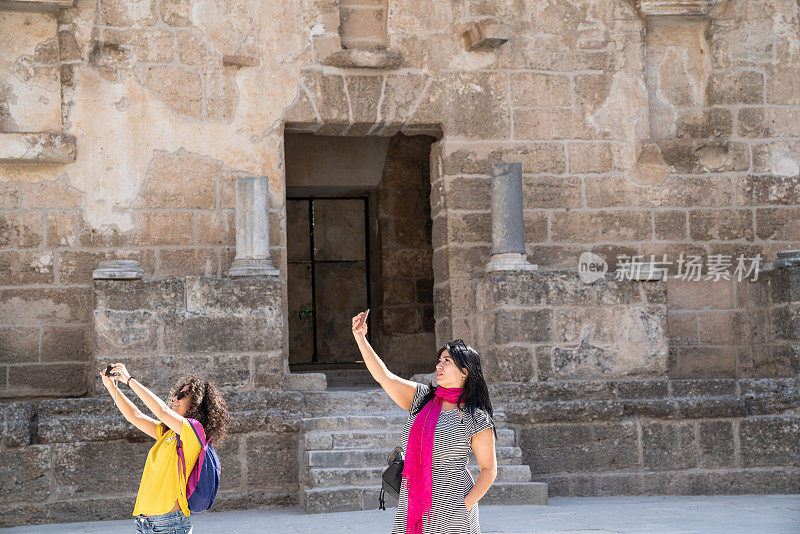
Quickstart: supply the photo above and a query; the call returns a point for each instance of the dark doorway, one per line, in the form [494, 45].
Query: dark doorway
[328, 261]
[359, 234]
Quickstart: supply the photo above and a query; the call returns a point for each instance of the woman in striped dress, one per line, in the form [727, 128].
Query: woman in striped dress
[439, 495]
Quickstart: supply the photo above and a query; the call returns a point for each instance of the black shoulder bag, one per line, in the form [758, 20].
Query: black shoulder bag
[392, 478]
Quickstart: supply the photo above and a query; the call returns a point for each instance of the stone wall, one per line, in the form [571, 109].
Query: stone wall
[582, 438]
[637, 134]
[230, 330]
[541, 326]
[731, 329]
[403, 325]
[651, 437]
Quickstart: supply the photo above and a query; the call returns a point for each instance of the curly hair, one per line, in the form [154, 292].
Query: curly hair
[207, 406]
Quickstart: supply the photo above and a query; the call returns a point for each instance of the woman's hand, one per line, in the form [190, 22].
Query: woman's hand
[121, 370]
[467, 503]
[107, 381]
[360, 325]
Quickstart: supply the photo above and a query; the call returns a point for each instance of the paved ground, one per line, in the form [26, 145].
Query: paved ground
[758, 514]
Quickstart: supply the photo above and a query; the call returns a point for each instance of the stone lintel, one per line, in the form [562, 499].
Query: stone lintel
[679, 8]
[355, 58]
[485, 35]
[36, 147]
[35, 5]
[240, 61]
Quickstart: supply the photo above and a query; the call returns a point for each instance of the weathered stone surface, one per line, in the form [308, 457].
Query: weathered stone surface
[25, 474]
[668, 446]
[770, 441]
[522, 326]
[579, 447]
[19, 428]
[77, 477]
[715, 442]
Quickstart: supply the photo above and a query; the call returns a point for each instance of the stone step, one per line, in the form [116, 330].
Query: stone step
[370, 476]
[372, 458]
[347, 498]
[375, 439]
[385, 421]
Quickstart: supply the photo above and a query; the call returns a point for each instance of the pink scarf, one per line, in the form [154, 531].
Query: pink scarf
[417, 468]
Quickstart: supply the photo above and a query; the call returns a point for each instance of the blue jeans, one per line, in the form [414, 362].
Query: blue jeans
[171, 523]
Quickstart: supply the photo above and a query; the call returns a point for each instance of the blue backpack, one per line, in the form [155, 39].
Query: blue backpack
[203, 482]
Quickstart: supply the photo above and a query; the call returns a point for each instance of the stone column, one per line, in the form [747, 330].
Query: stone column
[508, 236]
[252, 229]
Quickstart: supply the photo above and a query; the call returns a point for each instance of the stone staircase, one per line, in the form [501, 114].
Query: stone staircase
[342, 458]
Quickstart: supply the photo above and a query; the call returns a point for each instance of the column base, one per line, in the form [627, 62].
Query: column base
[510, 261]
[249, 267]
[118, 270]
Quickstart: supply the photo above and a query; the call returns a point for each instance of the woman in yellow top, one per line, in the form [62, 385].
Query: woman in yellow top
[161, 505]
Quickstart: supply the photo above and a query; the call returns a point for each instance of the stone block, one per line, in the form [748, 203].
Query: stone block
[715, 442]
[178, 87]
[82, 469]
[159, 228]
[219, 334]
[704, 124]
[362, 27]
[693, 295]
[476, 157]
[25, 474]
[668, 446]
[19, 344]
[125, 13]
[509, 364]
[786, 321]
[706, 362]
[770, 441]
[159, 296]
[474, 105]
[550, 124]
[230, 457]
[20, 229]
[19, 427]
[526, 326]
[766, 361]
[723, 327]
[530, 89]
[176, 12]
[757, 122]
[591, 158]
[272, 460]
[126, 332]
[555, 448]
[551, 192]
[67, 379]
[726, 225]
[670, 225]
[26, 267]
[66, 343]
[188, 261]
[779, 224]
[587, 227]
[45, 305]
[735, 87]
[766, 190]
[146, 46]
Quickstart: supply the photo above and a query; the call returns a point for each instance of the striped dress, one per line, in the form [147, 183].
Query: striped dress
[451, 480]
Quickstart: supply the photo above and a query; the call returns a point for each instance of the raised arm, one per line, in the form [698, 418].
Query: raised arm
[129, 410]
[164, 413]
[399, 389]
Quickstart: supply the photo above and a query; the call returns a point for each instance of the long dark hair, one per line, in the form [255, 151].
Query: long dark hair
[207, 406]
[475, 394]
